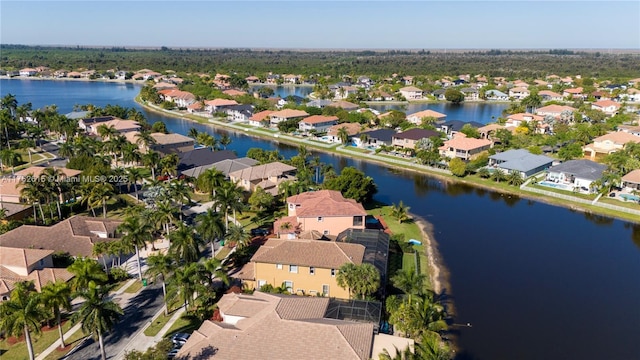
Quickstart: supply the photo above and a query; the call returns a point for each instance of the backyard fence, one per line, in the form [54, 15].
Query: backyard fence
[583, 201]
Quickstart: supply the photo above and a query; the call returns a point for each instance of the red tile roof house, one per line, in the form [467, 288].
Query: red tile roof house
[260, 119]
[267, 176]
[286, 327]
[325, 211]
[411, 93]
[18, 264]
[28, 72]
[463, 147]
[120, 125]
[182, 99]
[557, 111]
[608, 107]
[548, 95]
[286, 114]
[10, 187]
[319, 123]
[416, 118]
[574, 93]
[609, 143]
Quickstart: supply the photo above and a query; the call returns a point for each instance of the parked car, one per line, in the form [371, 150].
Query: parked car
[259, 232]
[180, 338]
[172, 354]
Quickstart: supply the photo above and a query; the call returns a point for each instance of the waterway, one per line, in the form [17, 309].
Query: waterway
[535, 281]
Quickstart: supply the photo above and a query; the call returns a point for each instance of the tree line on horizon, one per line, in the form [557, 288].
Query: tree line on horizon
[335, 63]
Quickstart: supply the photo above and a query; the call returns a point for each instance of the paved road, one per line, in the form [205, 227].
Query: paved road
[137, 313]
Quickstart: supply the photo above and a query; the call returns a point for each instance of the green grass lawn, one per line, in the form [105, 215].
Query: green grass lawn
[185, 324]
[364, 151]
[71, 342]
[41, 342]
[222, 253]
[627, 204]
[570, 193]
[119, 285]
[134, 288]
[157, 325]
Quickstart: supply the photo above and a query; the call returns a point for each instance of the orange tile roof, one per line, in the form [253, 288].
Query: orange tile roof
[352, 128]
[554, 109]
[289, 113]
[318, 119]
[316, 253]
[220, 102]
[574, 90]
[618, 137]
[633, 177]
[262, 115]
[38, 170]
[465, 143]
[606, 103]
[325, 203]
[428, 113]
[525, 117]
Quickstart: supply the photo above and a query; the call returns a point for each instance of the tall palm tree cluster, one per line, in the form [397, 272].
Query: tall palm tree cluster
[26, 310]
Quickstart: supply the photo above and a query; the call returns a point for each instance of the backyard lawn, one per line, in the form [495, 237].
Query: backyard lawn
[18, 351]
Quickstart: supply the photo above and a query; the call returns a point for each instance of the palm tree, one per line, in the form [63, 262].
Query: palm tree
[134, 175]
[361, 280]
[97, 314]
[225, 140]
[432, 348]
[210, 180]
[161, 265]
[87, 272]
[238, 235]
[229, 197]
[169, 164]
[165, 214]
[184, 245]
[136, 233]
[210, 226]
[215, 269]
[145, 140]
[514, 178]
[151, 160]
[57, 296]
[28, 144]
[410, 281]
[10, 158]
[107, 132]
[100, 193]
[193, 133]
[55, 184]
[186, 281]
[400, 212]
[66, 149]
[484, 173]
[497, 175]
[32, 192]
[22, 313]
[343, 135]
[181, 192]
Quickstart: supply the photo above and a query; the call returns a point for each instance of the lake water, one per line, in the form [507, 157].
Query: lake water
[535, 281]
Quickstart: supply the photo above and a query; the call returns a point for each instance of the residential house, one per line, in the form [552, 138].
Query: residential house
[374, 139]
[239, 113]
[579, 174]
[75, 236]
[470, 94]
[452, 127]
[291, 79]
[520, 83]
[88, 123]
[182, 99]
[20, 264]
[541, 83]
[408, 139]
[416, 118]
[520, 161]
[317, 123]
[407, 80]
[345, 105]
[217, 105]
[574, 93]
[496, 95]
[632, 95]
[28, 72]
[292, 327]
[324, 211]
[120, 125]
[285, 115]
[379, 95]
[343, 92]
[608, 107]
[439, 94]
[518, 119]
[171, 143]
[488, 131]
[267, 176]
[319, 103]
[165, 86]
[548, 95]
[201, 157]
[634, 82]
[304, 266]
[561, 112]
[225, 166]
[519, 93]
[631, 129]
[234, 92]
[631, 181]
[273, 79]
[351, 129]
[411, 93]
[463, 147]
[261, 118]
[252, 79]
[11, 186]
[609, 143]
[196, 107]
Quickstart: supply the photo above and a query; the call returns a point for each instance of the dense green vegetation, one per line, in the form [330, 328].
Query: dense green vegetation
[334, 63]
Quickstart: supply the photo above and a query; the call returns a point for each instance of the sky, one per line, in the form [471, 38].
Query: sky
[301, 24]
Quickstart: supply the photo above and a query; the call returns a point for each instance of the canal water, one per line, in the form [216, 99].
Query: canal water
[535, 281]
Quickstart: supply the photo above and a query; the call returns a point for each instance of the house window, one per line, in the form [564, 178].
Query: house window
[357, 221]
[293, 269]
[319, 218]
[279, 266]
[289, 286]
[312, 270]
[325, 232]
[333, 272]
[325, 290]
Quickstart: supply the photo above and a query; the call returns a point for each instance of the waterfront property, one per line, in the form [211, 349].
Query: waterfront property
[416, 118]
[11, 186]
[452, 127]
[259, 324]
[284, 115]
[374, 139]
[408, 139]
[324, 211]
[171, 143]
[520, 161]
[267, 176]
[202, 157]
[350, 128]
[225, 166]
[317, 123]
[463, 147]
[609, 143]
[577, 174]
[631, 181]
[411, 93]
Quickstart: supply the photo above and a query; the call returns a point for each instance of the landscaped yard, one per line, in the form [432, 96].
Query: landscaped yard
[186, 324]
[134, 288]
[157, 325]
[18, 351]
[71, 342]
[222, 253]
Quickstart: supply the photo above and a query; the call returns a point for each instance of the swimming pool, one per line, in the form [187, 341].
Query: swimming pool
[556, 185]
[630, 197]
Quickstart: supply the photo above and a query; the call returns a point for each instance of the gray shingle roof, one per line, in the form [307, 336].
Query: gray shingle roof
[584, 169]
[521, 160]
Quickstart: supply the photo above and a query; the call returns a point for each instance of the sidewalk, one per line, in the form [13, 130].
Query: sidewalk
[142, 342]
[119, 296]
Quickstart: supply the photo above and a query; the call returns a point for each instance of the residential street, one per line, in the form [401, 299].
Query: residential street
[138, 311]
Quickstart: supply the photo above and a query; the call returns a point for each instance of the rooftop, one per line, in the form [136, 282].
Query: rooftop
[325, 203]
[303, 252]
[585, 169]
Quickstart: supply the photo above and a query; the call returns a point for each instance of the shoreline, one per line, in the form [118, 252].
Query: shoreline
[39, 78]
[439, 274]
[570, 205]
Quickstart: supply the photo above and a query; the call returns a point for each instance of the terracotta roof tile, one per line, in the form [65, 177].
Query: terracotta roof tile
[307, 253]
